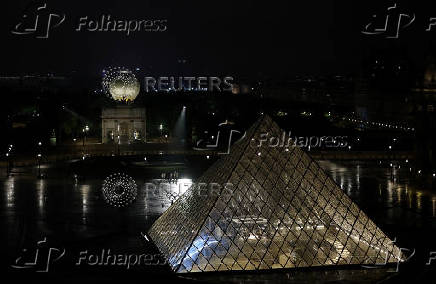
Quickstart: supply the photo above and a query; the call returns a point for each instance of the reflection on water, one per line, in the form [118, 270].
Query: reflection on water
[71, 208]
[159, 194]
[433, 204]
[391, 183]
[387, 185]
[174, 187]
[84, 191]
[10, 192]
[41, 198]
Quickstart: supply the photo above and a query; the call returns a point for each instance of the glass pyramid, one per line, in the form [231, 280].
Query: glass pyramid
[274, 208]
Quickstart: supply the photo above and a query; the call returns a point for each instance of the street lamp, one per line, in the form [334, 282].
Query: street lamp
[39, 156]
[118, 144]
[161, 128]
[85, 132]
[8, 157]
[8, 168]
[39, 165]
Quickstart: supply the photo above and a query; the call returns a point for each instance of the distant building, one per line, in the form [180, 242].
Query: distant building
[123, 125]
[47, 82]
[425, 117]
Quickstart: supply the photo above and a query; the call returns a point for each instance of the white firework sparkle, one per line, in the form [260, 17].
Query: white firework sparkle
[119, 190]
[120, 84]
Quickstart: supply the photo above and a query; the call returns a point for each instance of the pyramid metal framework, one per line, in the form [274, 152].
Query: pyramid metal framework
[282, 211]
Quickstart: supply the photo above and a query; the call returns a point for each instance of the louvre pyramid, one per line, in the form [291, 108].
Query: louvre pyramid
[283, 211]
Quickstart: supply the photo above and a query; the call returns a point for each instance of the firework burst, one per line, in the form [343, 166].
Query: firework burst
[120, 84]
[119, 190]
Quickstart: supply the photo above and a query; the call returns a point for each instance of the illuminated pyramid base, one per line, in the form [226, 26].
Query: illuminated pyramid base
[278, 210]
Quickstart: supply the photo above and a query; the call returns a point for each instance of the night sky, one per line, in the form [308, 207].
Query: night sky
[238, 37]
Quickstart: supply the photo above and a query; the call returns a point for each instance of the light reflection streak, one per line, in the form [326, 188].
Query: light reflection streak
[433, 205]
[40, 191]
[84, 190]
[419, 200]
[10, 192]
[391, 191]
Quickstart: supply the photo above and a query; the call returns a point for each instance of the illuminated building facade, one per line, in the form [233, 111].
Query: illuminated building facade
[275, 208]
[123, 125]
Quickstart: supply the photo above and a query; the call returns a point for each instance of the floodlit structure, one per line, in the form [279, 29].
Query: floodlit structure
[263, 207]
[123, 125]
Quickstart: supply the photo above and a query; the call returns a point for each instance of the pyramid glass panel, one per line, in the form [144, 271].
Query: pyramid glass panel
[274, 208]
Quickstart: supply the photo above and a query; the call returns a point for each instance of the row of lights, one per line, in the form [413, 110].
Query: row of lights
[367, 123]
[8, 153]
[380, 162]
[85, 129]
[410, 168]
[39, 155]
[378, 124]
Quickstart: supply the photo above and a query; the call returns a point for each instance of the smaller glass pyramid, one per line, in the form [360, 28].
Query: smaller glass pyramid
[267, 208]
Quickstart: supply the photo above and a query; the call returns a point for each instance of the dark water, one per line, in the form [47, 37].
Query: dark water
[71, 214]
